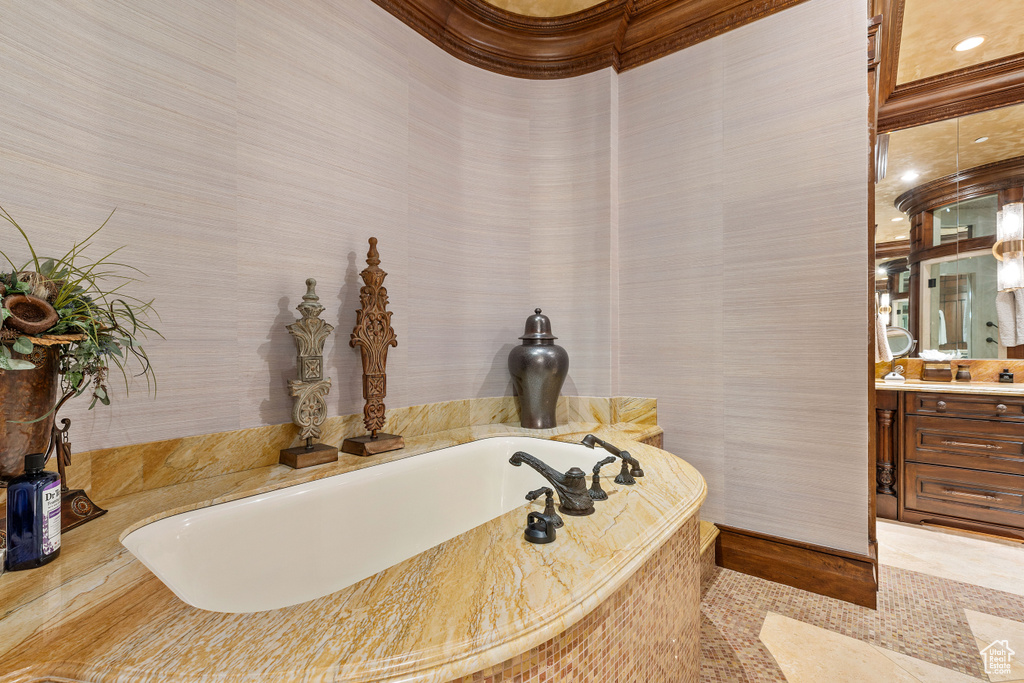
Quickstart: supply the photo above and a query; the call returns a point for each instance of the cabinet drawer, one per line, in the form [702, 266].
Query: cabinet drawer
[1010, 408]
[968, 494]
[972, 444]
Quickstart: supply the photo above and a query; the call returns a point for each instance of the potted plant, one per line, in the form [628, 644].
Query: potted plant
[64, 323]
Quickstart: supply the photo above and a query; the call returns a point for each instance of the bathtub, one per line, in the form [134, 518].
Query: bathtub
[300, 543]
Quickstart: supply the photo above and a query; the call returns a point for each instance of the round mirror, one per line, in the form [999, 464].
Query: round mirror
[901, 343]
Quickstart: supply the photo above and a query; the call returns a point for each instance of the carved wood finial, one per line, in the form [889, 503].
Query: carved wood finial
[311, 388]
[373, 335]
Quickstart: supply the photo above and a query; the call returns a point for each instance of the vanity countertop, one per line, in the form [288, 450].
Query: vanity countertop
[97, 614]
[953, 387]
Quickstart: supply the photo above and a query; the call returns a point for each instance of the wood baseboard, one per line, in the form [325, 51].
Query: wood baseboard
[825, 571]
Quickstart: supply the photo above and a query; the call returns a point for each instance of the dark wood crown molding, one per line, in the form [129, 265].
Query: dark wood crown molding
[966, 184]
[621, 34]
[976, 88]
[892, 250]
[990, 85]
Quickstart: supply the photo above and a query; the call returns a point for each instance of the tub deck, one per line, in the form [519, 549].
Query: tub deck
[469, 603]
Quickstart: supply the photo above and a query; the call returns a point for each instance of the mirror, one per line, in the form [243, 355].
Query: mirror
[901, 343]
[936, 216]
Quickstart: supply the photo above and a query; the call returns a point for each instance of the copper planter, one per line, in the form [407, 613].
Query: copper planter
[26, 395]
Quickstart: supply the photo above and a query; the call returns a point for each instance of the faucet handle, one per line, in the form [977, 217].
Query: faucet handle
[634, 464]
[596, 492]
[549, 505]
[539, 528]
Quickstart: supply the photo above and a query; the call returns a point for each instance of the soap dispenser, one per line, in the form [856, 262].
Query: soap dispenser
[1006, 377]
[33, 516]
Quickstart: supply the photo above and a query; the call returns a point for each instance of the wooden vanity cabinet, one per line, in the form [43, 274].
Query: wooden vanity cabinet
[962, 461]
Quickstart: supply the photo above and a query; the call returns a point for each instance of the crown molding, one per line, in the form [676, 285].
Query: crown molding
[621, 34]
[966, 184]
[990, 85]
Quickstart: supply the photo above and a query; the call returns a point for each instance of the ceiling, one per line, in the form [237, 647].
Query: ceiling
[931, 151]
[932, 27]
[544, 8]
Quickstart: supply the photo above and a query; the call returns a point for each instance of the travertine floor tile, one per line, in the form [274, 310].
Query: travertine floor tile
[960, 557]
[810, 654]
[988, 629]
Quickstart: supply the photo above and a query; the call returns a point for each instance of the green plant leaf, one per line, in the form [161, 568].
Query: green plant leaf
[22, 345]
[15, 364]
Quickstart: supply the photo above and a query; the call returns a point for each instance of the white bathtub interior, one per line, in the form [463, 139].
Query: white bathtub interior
[300, 543]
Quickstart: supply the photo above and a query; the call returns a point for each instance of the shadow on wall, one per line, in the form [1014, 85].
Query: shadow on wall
[347, 361]
[280, 366]
[498, 374]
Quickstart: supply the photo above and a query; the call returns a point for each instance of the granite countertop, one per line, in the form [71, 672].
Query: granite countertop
[97, 614]
[953, 387]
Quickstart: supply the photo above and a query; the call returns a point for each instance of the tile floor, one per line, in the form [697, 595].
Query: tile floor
[950, 606]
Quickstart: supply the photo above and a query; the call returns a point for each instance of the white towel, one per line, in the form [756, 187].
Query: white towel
[942, 328]
[1006, 317]
[1018, 300]
[882, 351]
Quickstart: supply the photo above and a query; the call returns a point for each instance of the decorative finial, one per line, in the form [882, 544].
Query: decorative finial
[372, 257]
[537, 311]
[310, 306]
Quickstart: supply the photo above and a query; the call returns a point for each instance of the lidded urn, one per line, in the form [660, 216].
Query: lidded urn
[538, 370]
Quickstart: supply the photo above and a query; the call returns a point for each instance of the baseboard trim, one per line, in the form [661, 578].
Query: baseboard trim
[825, 571]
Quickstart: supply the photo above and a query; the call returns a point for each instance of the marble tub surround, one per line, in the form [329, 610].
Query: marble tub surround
[98, 615]
[113, 472]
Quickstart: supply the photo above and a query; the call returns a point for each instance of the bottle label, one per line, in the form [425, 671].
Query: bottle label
[51, 518]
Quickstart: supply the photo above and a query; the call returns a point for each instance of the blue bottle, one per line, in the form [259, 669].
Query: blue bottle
[33, 516]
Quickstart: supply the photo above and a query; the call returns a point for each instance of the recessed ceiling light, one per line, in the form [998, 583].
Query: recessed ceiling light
[983, 138]
[910, 175]
[882, 271]
[901, 237]
[897, 219]
[969, 43]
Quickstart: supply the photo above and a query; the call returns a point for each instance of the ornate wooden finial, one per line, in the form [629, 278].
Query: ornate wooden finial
[309, 390]
[373, 335]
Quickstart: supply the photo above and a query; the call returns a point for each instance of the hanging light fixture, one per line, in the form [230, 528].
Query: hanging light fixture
[884, 309]
[1009, 246]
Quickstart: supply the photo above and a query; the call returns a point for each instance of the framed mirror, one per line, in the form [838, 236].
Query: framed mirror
[936, 210]
[900, 341]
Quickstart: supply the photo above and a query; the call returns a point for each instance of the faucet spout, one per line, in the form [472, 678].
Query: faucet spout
[573, 497]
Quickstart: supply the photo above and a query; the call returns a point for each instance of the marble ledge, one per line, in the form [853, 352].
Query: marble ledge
[978, 388]
[112, 472]
[97, 614]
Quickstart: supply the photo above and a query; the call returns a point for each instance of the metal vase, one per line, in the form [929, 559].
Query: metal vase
[26, 395]
[538, 370]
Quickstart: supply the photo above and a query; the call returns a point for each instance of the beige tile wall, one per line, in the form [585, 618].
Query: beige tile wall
[742, 261]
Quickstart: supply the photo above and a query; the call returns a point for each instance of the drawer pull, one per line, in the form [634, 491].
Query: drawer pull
[967, 494]
[940, 406]
[1001, 408]
[986, 446]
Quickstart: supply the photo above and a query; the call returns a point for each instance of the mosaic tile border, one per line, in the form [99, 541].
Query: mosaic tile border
[647, 632]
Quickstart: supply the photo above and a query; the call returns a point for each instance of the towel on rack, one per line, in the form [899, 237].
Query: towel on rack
[1018, 300]
[942, 328]
[882, 351]
[1007, 305]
